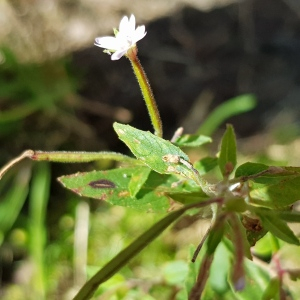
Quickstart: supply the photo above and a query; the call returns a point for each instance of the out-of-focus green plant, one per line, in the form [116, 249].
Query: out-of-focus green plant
[27, 88]
[246, 201]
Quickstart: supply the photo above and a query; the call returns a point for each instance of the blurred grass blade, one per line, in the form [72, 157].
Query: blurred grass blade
[112, 267]
[38, 200]
[232, 107]
[12, 202]
[19, 113]
[81, 234]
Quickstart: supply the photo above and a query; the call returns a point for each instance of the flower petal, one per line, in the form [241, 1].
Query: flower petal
[108, 42]
[124, 39]
[124, 24]
[118, 54]
[131, 25]
[139, 34]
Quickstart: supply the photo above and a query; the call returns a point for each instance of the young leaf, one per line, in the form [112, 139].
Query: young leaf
[137, 181]
[158, 154]
[227, 157]
[216, 234]
[188, 197]
[205, 164]
[192, 140]
[278, 227]
[113, 186]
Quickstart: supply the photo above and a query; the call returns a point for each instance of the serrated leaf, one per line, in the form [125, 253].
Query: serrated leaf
[113, 186]
[158, 154]
[278, 227]
[192, 140]
[227, 157]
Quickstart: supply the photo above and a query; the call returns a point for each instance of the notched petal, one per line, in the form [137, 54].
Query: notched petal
[139, 33]
[107, 42]
[131, 24]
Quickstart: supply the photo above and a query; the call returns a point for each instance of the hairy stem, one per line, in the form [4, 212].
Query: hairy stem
[146, 91]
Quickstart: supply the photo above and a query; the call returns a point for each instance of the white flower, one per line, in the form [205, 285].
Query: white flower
[124, 39]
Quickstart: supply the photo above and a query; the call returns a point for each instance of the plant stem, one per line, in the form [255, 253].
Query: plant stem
[146, 91]
[68, 157]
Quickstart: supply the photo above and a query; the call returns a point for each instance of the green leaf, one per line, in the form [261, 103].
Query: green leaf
[270, 186]
[137, 180]
[13, 195]
[188, 197]
[205, 164]
[239, 236]
[192, 140]
[38, 200]
[265, 246]
[215, 235]
[219, 270]
[113, 186]
[158, 154]
[272, 290]
[257, 279]
[249, 168]
[227, 157]
[289, 216]
[282, 194]
[278, 227]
